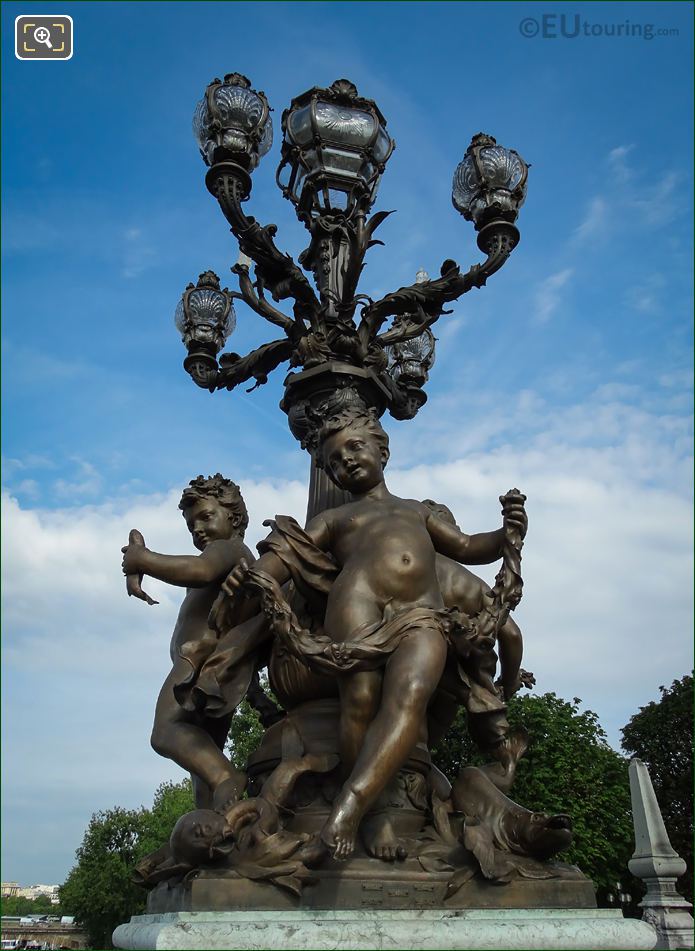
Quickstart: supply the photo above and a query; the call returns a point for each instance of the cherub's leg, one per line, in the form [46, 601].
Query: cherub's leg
[202, 794]
[359, 701]
[511, 648]
[360, 695]
[410, 677]
[178, 736]
[218, 730]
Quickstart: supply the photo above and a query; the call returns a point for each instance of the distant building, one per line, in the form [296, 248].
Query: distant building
[39, 891]
[9, 889]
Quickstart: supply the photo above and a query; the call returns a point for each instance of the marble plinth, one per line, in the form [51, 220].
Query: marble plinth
[426, 930]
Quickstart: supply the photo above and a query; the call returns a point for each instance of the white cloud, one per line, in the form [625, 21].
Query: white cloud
[88, 482]
[678, 379]
[10, 465]
[629, 201]
[594, 219]
[617, 160]
[548, 295]
[138, 253]
[657, 204]
[647, 296]
[27, 365]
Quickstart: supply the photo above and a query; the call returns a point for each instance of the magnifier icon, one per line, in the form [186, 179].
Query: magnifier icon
[43, 35]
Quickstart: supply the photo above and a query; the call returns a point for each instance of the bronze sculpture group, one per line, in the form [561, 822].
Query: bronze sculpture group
[373, 631]
[370, 604]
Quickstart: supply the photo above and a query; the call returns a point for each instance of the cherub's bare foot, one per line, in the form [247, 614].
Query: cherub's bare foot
[340, 831]
[380, 840]
[227, 793]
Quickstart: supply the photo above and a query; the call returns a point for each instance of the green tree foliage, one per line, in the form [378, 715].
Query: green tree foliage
[569, 767]
[661, 735]
[171, 801]
[245, 734]
[18, 905]
[99, 891]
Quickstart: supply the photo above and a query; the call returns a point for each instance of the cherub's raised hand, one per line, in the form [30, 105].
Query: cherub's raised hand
[526, 678]
[514, 514]
[234, 582]
[132, 566]
[220, 617]
[133, 556]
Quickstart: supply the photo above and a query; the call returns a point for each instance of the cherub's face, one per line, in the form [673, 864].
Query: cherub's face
[208, 521]
[354, 460]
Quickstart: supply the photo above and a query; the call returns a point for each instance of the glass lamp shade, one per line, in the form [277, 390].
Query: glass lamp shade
[205, 315]
[232, 122]
[411, 360]
[490, 182]
[334, 150]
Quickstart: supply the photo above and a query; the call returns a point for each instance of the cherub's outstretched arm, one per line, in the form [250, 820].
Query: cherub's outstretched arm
[187, 571]
[485, 547]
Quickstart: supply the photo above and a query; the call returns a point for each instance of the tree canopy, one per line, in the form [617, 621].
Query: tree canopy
[19, 905]
[99, 891]
[661, 735]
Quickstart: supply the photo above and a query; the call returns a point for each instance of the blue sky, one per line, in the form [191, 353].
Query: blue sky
[569, 375]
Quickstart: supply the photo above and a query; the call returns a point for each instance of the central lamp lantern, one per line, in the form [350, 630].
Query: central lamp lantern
[334, 150]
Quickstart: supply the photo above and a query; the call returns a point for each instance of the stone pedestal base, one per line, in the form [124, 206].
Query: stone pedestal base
[356, 886]
[431, 930]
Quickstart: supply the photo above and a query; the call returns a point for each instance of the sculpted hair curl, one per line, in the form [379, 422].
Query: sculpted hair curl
[364, 421]
[217, 487]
